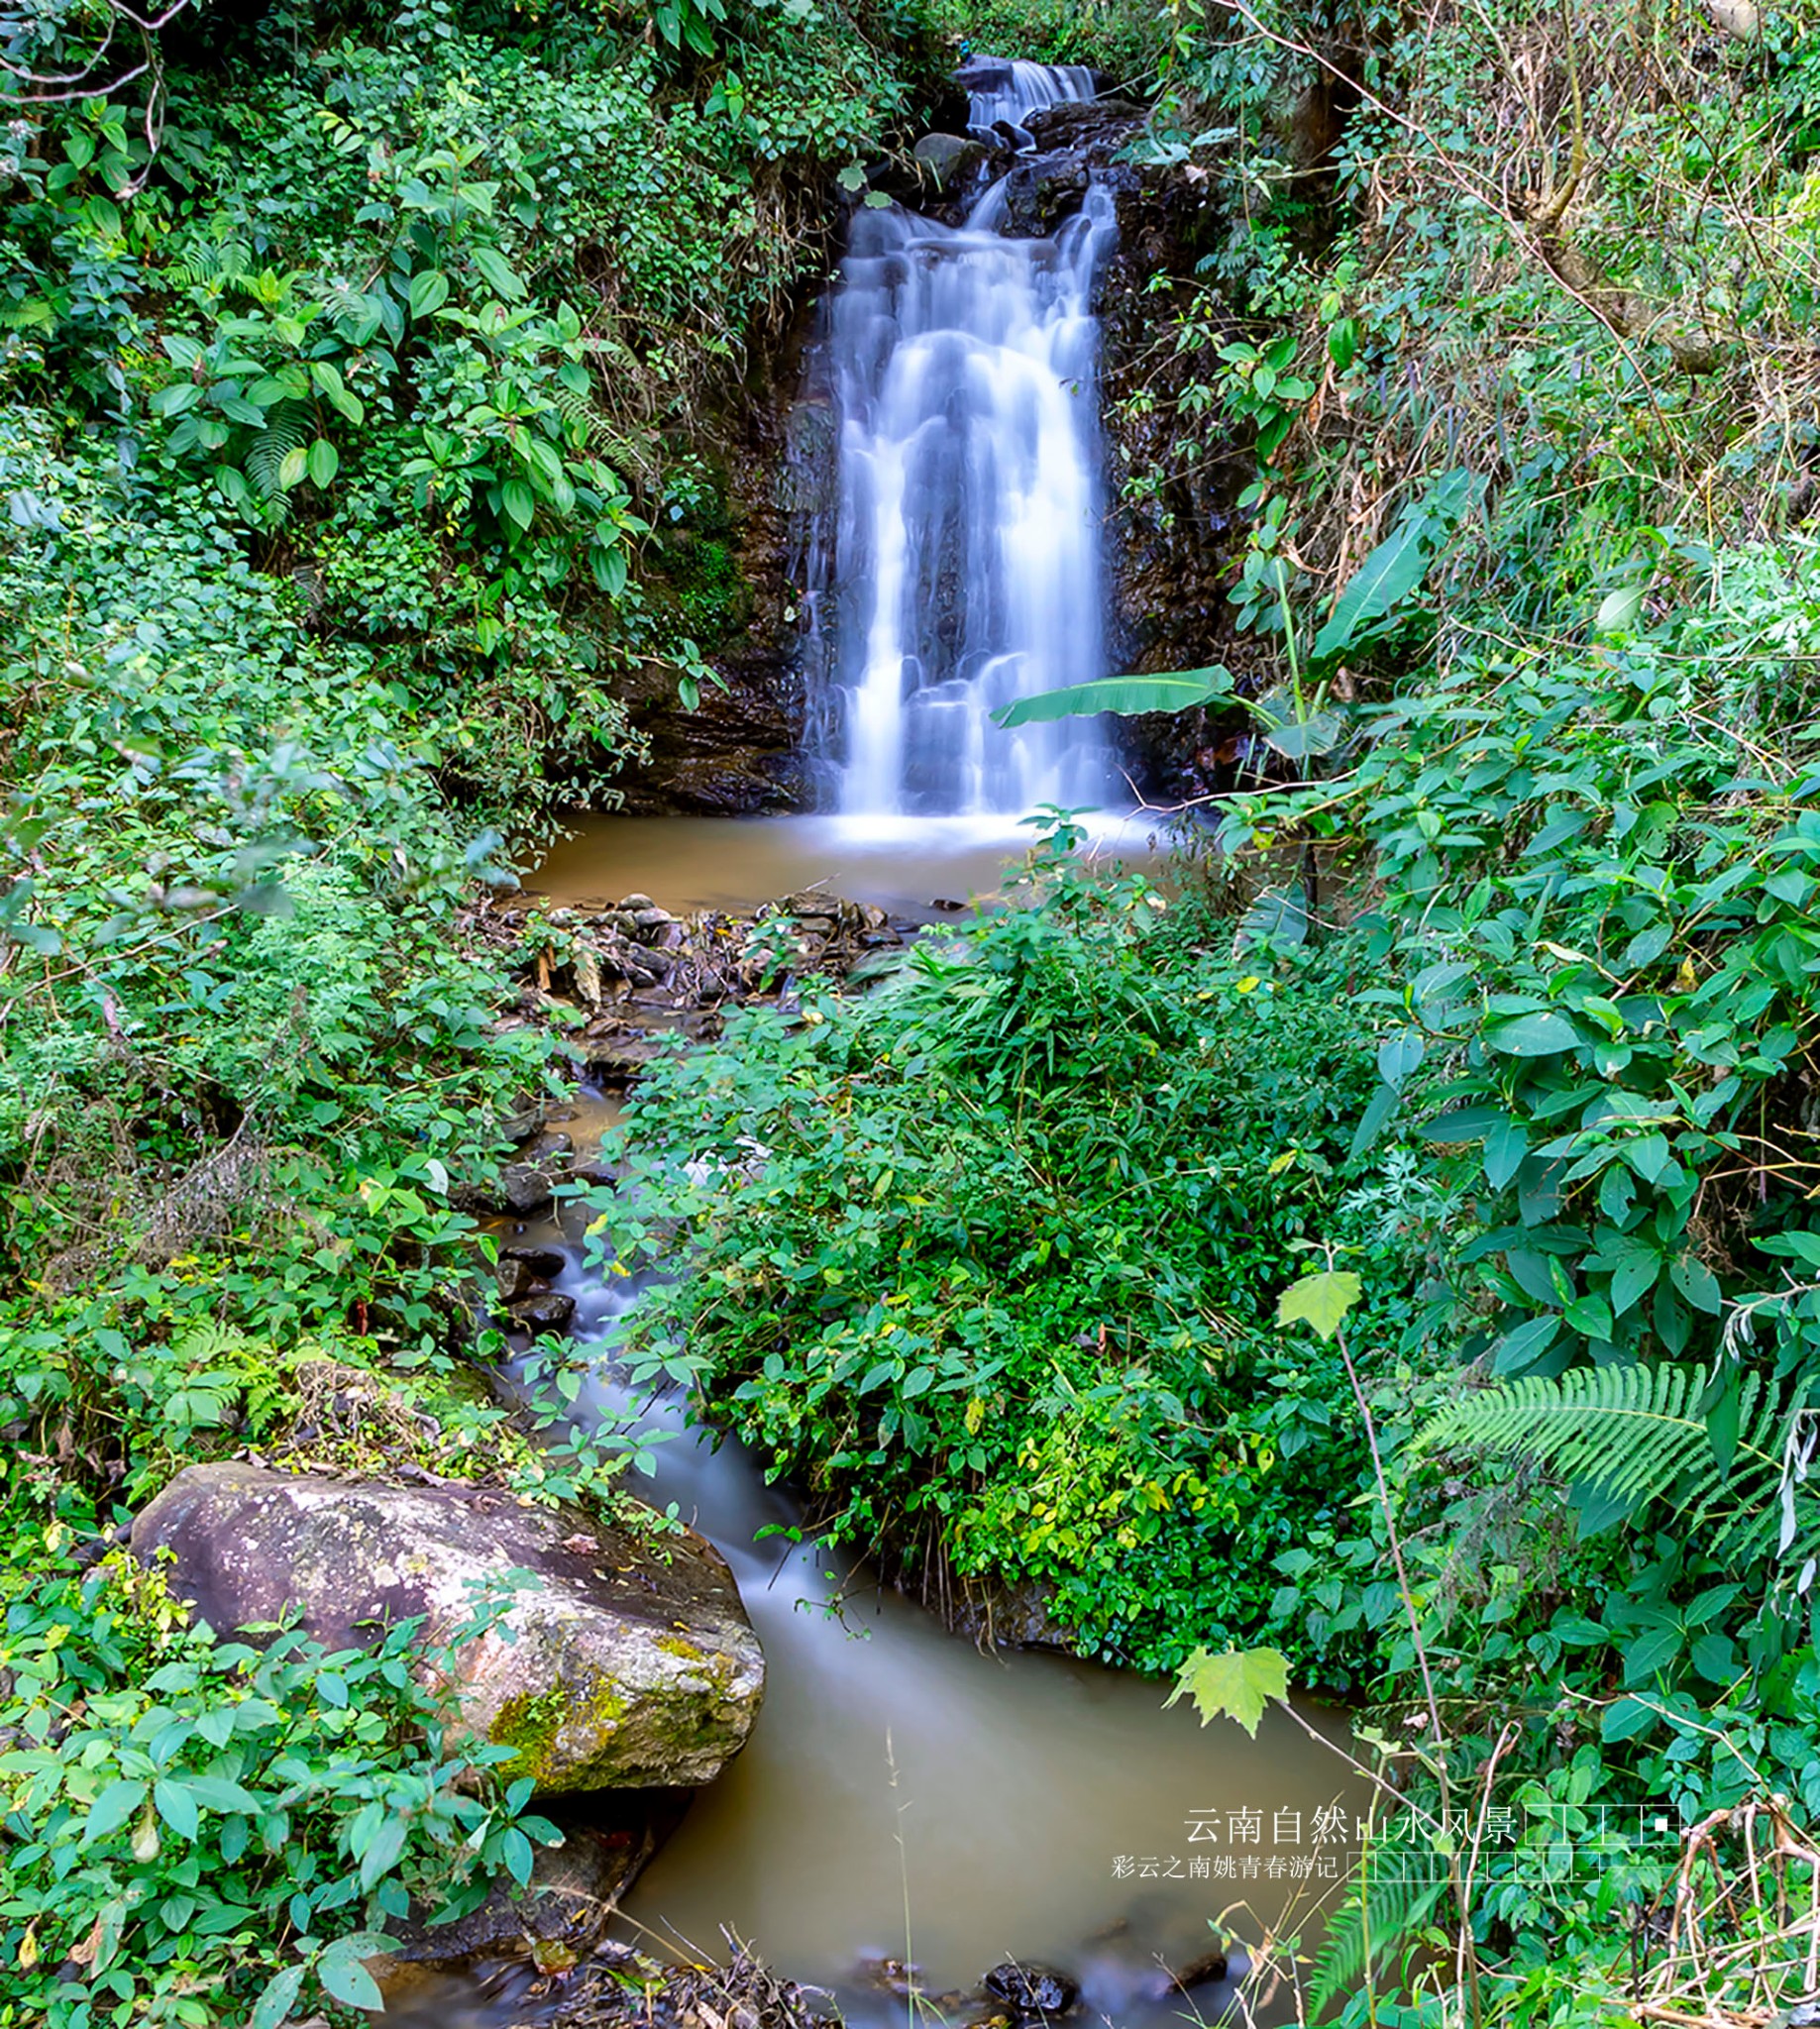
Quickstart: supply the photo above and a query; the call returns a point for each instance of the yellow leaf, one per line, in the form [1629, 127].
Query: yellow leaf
[1249, 984]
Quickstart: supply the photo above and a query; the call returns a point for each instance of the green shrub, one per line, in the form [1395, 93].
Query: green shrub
[194, 1831]
[987, 1257]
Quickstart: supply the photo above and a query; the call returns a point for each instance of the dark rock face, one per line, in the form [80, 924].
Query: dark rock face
[740, 752]
[625, 1668]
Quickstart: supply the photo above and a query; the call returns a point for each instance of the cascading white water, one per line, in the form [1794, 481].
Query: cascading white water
[1008, 93]
[965, 556]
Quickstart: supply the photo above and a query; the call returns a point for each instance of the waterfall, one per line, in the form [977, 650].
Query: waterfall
[962, 566]
[1006, 92]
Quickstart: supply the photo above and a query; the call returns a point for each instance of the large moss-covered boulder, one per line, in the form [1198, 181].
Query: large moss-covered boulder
[621, 1660]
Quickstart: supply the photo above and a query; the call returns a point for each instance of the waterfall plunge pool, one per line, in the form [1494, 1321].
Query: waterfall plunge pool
[912, 867]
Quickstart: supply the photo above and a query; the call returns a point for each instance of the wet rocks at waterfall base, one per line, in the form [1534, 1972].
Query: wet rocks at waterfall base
[619, 978]
[612, 1661]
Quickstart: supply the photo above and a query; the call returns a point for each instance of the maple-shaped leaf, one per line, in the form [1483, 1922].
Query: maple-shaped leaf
[1322, 1299]
[1237, 1685]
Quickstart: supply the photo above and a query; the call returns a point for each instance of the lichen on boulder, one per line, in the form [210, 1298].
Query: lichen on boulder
[613, 1660]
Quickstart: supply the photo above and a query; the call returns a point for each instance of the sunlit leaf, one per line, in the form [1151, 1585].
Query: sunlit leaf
[1236, 1686]
[1321, 1300]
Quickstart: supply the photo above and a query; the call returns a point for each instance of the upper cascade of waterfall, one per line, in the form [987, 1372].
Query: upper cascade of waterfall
[1009, 92]
[960, 566]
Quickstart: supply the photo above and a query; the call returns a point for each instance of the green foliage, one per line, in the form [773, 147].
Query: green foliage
[1128, 697]
[1320, 1301]
[1237, 1685]
[992, 1288]
[1626, 1435]
[199, 1831]
[1125, 38]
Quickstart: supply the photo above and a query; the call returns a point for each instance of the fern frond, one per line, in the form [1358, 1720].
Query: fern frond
[1638, 1433]
[1386, 1901]
[287, 426]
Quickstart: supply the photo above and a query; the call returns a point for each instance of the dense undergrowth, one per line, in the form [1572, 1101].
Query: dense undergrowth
[1486, 1044]
[351, 391]
[358, 382]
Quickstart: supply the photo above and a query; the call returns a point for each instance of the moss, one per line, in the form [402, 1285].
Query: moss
[675, 1644]
[529, 1725]
[707, 587]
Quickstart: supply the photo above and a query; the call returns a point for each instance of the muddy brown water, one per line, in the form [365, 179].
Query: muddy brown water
[904, 1796]
[906, 866]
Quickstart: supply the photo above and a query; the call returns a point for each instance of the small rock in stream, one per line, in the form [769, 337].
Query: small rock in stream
[1209, 1966]
[1034, 1993]
[542, 1315]
[525, 1190]
[545, 1262]
[517, 1279]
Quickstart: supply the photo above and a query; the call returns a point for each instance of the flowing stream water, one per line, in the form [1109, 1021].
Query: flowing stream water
[960, 565]
[907, 1798]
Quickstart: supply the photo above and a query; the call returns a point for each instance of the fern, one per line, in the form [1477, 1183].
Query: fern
[1385, 1902]
[1638, 1433]
[287, 426]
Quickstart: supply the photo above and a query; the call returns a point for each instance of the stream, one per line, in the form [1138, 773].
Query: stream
[906, 1796]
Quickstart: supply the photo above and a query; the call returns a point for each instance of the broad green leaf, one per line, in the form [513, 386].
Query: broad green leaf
[294, 466]
[177, 1808]
[519, 503]
[1697, 1283]
[382, 1855]
[1279, 915]
[1175, 691]
[348, 1980]
[501, 277]
[1236, 1686]
[1649, 1654]
[1506, 1145]
[1532, 1035]
[1618, 610]
[1393, 571]
[112, 1808]
[519, 1858]
[1467, 1124]
[1307, 738]
[276, 2000]
[1625, 1719]
[1633, 1277]
[1400, 1054]
[1321, 1300]
[1525, 1345]
[325, 461]
[1374, 1120]
[429, 291]
[217, 1793]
